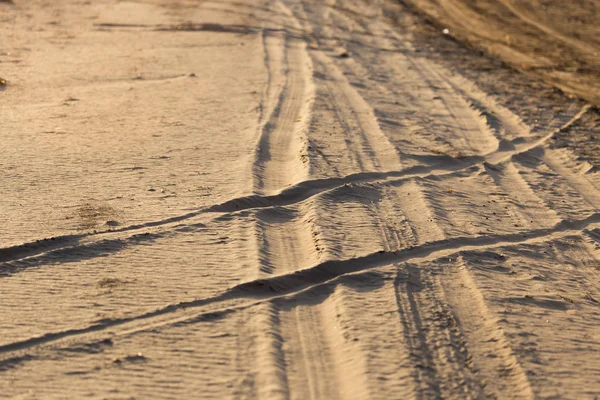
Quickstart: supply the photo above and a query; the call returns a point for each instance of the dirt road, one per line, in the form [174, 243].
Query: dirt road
[284, 199]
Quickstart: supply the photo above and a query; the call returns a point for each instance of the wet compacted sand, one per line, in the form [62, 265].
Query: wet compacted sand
[286, 199]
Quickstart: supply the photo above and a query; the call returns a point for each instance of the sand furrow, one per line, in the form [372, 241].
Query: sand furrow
[268, 370]
[555, 189]
[281, 155]
[286, 238]
[527, 203]
[324, 272]
[311, 355]
[489, 353]
[563, 164]
[522, 147]
[375, 144]
[329, 270]
[274, 53]
[527, 289]
[39, 246]
[436, 346]
[473, 130]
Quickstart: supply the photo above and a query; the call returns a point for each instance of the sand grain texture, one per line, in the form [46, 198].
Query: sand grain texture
[281, 200]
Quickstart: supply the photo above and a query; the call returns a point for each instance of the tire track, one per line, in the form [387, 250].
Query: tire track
[439, 361]
[270, 368]
[314, 350]
[473, 128]
[499, 372]
[466, 128]
[437, 325]
[562, 163]
[281, 155]
[526, 286]
[290, 243]
[274, 60]
[554, 188]
[376, 152]
[286, 239]
[436, 344]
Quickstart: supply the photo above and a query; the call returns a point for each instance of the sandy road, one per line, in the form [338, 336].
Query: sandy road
[281, 200]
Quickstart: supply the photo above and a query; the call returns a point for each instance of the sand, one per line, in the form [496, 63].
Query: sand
[284, 200]
[556, 41]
